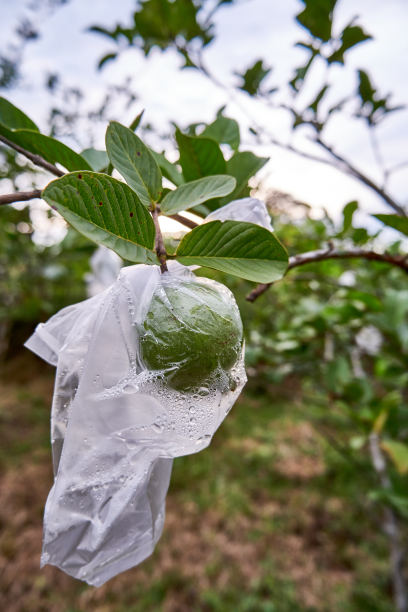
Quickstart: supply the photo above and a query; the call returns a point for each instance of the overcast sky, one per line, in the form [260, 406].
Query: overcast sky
[253, 29]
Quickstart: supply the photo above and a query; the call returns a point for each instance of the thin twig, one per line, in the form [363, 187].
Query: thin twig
[331, 253]
[352, 170]
[399, 166]
[159, 242]
[36, 159]
[20, 196]
[184, 221]
[302, 259]
[342, 163]
[298, 152]
[375, 146]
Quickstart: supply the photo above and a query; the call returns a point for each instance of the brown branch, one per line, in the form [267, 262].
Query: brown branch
[314, 256]
[353, 171]
[343, 164]
[19, 196]
[299, 152]
[397, 167]
[159, 242]
[184, 221]
[36, 159]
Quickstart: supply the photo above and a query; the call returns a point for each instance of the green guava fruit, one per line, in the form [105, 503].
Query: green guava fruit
[191, 330]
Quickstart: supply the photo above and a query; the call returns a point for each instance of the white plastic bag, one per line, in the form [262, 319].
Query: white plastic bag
[117, 425]
[105, 267]
[250, 210]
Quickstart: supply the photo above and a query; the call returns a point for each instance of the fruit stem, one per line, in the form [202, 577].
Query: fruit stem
[159, 242]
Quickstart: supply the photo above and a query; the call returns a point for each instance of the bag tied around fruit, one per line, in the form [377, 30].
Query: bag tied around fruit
[146, 371]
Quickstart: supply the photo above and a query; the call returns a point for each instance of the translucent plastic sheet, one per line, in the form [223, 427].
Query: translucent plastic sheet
[117, 424]
[250, 210]
[105, 267]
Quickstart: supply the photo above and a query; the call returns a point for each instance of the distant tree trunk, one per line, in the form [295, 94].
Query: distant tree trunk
[4, 329]
[391, 528]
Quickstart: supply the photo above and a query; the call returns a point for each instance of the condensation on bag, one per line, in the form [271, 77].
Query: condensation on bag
[126, 401]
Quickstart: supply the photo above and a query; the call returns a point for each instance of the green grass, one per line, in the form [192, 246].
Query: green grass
[269, 518]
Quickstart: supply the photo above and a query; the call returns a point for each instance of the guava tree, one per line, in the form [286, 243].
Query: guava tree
[211, 171]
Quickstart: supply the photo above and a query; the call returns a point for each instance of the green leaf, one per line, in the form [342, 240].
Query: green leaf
[100, 30]
[98, 160]
[50, 149]
[157, 23]
[365, 87]
[13, 118]
[319, 97]
[106, 58]
[19, 128]
[317, 17]
[224, 131]
[338, 374]
[348, 212]
[373, 107]
[168, 169]
[242, 166]
[253, 77]
[196, 192]
[398, 452]
[394, 221]
[199, 156]
[352, 35]
[106, 211]
[235, 247]
[188, 61]
[399, 502]
[135, 162]
[372, 302]
[301, 71]
[136, 121]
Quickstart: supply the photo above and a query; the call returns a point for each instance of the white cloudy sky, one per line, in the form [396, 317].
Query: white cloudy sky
[255, 28]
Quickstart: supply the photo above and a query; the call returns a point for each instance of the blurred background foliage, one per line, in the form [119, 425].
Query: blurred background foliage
[287, 509]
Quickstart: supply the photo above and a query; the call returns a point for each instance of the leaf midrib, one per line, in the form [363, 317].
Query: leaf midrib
[137, 171]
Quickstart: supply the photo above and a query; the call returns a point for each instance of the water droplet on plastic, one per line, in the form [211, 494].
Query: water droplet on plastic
[130, 388]
[157, 427]
[131, 444]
